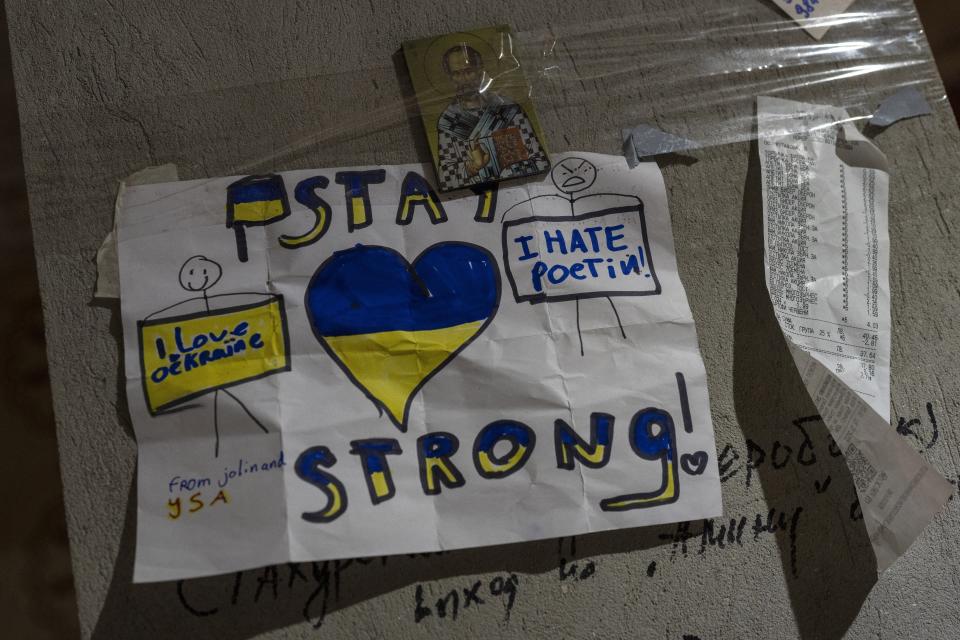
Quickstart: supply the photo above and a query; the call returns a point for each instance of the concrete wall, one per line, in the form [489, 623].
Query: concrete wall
[108, 88]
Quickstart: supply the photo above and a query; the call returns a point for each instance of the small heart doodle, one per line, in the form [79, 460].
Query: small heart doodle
[694, 463]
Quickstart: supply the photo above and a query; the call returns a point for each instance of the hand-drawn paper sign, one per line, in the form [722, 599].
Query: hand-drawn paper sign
[391, 325]
[396, 285]
[593, 255]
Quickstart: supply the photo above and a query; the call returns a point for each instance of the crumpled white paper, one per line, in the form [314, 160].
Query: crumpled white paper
[553, 308]
[825, 195]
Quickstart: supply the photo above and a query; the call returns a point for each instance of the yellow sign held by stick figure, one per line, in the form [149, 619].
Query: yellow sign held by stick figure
[186, 356]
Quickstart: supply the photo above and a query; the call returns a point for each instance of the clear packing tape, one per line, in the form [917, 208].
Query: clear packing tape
[694, 74]
[697, 83]
[702, 84]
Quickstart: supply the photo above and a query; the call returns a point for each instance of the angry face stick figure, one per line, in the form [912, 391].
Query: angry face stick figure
[572, 177]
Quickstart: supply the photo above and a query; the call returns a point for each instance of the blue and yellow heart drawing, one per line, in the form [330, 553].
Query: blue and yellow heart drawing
[391, 325]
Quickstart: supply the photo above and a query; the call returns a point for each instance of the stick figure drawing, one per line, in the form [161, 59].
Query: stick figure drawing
[584, 215]
[208, 343]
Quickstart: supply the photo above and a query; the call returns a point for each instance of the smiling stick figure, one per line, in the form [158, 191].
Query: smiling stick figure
[200, 273]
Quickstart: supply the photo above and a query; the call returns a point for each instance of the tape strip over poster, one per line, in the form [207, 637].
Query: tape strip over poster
[825, 194]
[340, 363]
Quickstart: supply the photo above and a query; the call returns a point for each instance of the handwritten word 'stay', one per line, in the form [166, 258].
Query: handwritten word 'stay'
[415, 194]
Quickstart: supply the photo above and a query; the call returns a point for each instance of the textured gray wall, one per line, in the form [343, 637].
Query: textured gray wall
[108, 88]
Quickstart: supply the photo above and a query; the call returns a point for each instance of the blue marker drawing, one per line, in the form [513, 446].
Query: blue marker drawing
[391, 325]
[602, 253]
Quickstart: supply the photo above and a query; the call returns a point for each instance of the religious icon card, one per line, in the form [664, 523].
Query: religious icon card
[474, 101]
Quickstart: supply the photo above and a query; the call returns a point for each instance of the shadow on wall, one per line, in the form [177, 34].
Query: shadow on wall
[940, 20]
[248, 603]
[839, 567]
[36, 593]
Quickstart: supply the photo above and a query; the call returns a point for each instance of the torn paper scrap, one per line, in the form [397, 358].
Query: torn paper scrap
[108, 268]
[815, 16]
[906, 103]
[898, 491]
[645, 141]
[826, 256]
[339, 363]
